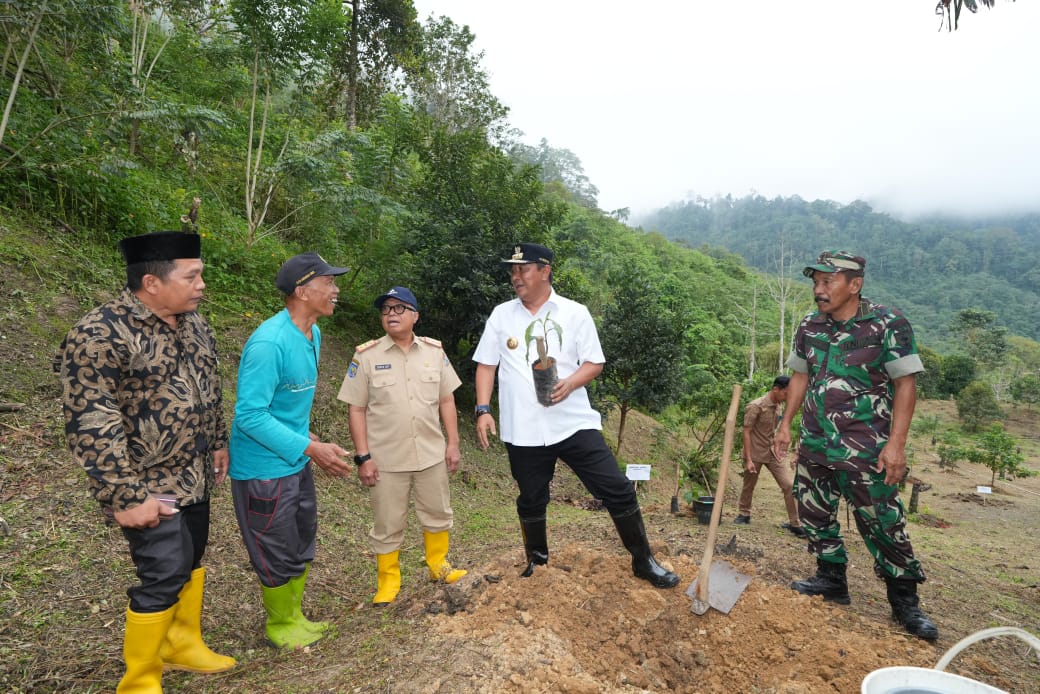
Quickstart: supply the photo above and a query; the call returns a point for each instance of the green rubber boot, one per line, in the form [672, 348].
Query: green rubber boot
[283, 628]
[299, 583]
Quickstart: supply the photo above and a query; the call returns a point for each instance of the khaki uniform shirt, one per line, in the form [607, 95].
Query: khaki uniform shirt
[761, 417]
[401, 394]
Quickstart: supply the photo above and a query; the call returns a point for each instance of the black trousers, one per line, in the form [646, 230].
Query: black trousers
[587, 454]
[166, 555]
[278, 520]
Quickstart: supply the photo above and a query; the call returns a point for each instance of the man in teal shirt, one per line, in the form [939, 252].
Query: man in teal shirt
[272, 482]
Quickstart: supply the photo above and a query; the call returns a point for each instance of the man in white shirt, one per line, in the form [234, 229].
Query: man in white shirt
[536, 435]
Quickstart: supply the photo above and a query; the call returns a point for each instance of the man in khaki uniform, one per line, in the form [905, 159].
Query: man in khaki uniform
[400, 391]
[760, 420]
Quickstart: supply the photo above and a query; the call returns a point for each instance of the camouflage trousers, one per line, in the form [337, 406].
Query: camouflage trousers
[875, 506]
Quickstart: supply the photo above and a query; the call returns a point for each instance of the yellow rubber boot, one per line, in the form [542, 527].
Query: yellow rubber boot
[389, 578]
[436, 558]
[183, 647]
[145, 632]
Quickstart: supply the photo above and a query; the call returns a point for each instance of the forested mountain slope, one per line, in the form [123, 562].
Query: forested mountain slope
[929, 268]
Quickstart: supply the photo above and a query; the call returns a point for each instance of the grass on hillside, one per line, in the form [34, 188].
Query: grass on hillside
[63, 573]
[56, 545]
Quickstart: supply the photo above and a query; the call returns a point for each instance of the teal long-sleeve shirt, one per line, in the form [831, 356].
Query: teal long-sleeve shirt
[276, 381]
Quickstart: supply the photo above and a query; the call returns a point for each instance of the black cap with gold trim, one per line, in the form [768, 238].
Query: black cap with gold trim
[301, 269]
[524, 253]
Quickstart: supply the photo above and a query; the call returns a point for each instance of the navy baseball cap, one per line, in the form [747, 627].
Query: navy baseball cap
[301, 269]
[402, 294]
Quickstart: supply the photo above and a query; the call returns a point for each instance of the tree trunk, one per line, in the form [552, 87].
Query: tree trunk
[623, 407]
[18, 73]
[352, 66]
[754, 332]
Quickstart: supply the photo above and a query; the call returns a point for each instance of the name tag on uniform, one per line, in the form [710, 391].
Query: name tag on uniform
[382, 367]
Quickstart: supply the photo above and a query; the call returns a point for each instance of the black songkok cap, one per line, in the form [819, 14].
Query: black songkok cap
[161, 245]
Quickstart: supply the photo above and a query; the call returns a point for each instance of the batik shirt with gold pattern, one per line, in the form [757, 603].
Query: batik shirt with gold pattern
[142, 403]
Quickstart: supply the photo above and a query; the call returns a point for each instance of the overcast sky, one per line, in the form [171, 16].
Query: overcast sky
[666, 99]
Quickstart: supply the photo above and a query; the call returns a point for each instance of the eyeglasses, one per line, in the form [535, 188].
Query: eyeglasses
[396, 309]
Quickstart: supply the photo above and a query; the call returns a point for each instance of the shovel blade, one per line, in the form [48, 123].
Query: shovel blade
[725, 586]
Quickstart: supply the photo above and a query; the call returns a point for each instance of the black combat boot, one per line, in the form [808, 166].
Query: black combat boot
[829, 581]
[633, 534]
[902, 595]
[535, 545]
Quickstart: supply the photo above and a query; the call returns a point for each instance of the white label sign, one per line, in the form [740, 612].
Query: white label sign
[638, 472]
[983, 490]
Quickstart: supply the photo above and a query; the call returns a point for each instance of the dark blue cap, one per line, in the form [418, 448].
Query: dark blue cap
[524, 253]
[402, 294]
[301, 269]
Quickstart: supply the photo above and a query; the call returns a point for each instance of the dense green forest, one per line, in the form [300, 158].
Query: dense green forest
[360, 131]
[930, 268]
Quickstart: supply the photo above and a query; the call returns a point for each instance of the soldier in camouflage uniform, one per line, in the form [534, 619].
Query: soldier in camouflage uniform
[854, 367]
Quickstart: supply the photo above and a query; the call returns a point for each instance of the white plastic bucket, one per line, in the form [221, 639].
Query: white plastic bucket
[922, 680]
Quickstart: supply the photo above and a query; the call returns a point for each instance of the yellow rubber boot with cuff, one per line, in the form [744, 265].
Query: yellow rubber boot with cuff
[183, 647]
[388, 578]
[436, 558]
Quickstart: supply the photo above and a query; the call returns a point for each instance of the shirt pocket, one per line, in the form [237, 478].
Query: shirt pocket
[868, 355]
[430, 386]
[383, 380]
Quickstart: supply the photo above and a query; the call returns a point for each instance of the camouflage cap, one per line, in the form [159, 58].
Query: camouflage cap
[837, 261]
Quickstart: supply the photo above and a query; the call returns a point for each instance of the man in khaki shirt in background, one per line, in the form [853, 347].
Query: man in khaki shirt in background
[400, 391]
[760, 420]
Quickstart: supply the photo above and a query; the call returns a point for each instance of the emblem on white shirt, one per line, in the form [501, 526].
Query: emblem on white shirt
[512, 343]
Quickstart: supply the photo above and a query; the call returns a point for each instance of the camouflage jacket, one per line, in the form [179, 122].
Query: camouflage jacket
[142, 403]
[847, 412]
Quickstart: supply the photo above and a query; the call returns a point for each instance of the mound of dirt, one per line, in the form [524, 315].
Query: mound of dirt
[981, 499]
[585, 624]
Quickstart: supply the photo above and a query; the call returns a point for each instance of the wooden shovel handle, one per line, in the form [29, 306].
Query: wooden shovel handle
[716, 507]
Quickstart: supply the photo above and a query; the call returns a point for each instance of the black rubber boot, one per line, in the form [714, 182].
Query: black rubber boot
[902, 595]
[829, 581]
[633, 534]
[535, 545]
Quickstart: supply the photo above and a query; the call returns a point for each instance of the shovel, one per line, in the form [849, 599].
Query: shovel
[719, 585]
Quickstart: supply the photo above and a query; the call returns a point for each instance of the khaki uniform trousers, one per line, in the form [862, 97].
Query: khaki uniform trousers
[784, 476]
[390, 505]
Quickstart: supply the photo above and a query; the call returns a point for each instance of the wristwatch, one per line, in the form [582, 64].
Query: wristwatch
[359, 459]
[481, 409]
